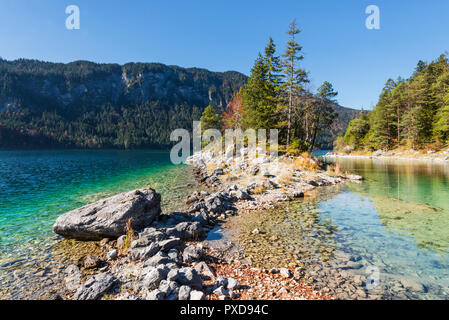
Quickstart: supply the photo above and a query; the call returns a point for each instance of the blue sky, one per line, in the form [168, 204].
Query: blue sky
[227, 35]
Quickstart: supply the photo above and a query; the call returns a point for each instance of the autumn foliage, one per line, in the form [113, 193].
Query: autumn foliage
[232, 117]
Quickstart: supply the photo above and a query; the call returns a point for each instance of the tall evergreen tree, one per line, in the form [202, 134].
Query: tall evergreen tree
[210, 120]
[295, 76]
[324, 114]
[274, 65]
[258, 102]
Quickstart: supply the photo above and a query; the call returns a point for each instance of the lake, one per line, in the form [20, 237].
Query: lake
[394, 225]
[37, 186]
[396, 221]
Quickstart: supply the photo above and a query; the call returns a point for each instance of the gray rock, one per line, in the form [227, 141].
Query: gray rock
[217, 172]
[285, 273]
[270, 184]
[112, 255]
[222, 282]
[313, 183]
[95, 287]
[150, 235]
[159, 258]
[241, 195]
[197, 295]
[186, 231]
[233, 284]
[91, 262]
[191, 253]
[267, 174]
[107, 218]
[413, 285]
[173, 254]
[153, 278]
[184, 293]
[253, 170]
[73, 277]
[221, 291]
[202, 218]
[203, 269]
[173, 275]
[298, 194]
[155, 294]
[189, 276]
[145, 252]
[168, 288]
[169, 244]
[121, 241]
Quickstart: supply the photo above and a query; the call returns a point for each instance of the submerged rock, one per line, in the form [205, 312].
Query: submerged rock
[108, 218]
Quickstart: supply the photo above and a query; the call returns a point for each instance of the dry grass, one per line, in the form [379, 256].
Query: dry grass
[305, 162]
[286, 178]
[334, 170]
[129, 237]
[259, 190]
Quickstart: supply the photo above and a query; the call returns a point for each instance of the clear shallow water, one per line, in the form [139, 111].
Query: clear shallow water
[397, 220]
[37, 186]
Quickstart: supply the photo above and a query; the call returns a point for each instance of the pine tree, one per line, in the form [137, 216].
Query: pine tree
[295, 76]
[210, 120]
[258, 102]
[324, 114]
[274, 66]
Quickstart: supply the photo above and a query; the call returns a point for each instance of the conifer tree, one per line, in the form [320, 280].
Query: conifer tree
[210, 120]
[259, 106]
[295, 76]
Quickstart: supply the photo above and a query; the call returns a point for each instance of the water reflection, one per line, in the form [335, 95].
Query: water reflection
[397, 221]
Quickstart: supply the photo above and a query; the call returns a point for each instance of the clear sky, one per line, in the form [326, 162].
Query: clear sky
[227, 35]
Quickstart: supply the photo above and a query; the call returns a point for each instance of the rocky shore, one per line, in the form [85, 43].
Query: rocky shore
[441, 156]
[144, 254]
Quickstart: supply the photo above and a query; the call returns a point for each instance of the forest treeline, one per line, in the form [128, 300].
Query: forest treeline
[89, 105]
[411, 113]
[277, 96]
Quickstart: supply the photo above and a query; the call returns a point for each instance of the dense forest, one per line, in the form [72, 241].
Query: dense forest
[136, 105]
[88, 105]
[411, 113]
[276, 96]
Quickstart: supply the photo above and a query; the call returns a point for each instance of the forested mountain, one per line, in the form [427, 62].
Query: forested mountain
[338, 127]
[88, 105]
[411, 113]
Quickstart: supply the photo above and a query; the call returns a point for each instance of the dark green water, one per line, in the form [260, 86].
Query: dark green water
[37, 186]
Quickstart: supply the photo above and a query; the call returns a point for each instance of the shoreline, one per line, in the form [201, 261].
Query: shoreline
[246, 200]
[440, 159]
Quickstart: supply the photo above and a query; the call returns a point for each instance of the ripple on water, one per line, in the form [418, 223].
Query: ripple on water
[36, 187]
[333, 237]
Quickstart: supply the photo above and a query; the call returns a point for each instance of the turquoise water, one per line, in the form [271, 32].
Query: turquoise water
[397, 220]
[37, 186]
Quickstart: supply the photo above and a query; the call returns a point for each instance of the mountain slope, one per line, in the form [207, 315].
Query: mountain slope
[338, 127]
[88, 105]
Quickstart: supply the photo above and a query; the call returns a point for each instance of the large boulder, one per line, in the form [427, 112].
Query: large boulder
[107, 218]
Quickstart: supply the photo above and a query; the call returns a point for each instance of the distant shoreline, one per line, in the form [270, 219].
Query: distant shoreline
[443, 159]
